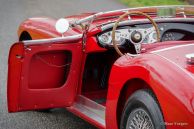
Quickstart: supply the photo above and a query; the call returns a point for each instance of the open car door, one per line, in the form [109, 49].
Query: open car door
[43, 74]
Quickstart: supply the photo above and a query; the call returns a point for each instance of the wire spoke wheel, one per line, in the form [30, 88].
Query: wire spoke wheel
[139, 119]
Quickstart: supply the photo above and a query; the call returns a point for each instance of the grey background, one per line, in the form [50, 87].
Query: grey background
[12, 13]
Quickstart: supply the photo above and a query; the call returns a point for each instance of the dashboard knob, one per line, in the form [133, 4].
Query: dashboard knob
[136, 37]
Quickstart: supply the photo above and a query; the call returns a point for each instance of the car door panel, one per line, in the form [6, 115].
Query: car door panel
[43, 76]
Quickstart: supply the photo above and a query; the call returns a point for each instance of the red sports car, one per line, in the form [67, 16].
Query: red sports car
[124, 69]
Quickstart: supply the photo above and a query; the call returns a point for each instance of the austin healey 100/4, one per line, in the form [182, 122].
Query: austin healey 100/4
[124, 69]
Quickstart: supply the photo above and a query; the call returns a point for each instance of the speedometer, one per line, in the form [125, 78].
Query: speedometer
[118, 38]
[106, 38]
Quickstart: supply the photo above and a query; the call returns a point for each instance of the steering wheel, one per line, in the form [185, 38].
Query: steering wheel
[136, 45]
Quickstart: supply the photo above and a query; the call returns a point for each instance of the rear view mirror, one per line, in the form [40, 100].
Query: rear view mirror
[62, 25]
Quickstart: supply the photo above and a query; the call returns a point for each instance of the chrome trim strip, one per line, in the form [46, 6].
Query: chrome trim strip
[127, 9]
[89, 114]
[53, 40]
[90, 109]
[88, 18]
[170, 48]
[131, 22]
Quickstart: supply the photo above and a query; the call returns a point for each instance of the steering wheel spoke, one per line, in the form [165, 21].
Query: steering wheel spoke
[138, 48]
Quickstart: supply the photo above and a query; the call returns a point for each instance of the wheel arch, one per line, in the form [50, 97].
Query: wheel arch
[42, 28]
[131, 75]
[25, 35]
[38, 28]
[121, 87]
[129, 87]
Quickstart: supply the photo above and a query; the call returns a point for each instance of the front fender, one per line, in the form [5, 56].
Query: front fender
[173, 89]
[42, 28]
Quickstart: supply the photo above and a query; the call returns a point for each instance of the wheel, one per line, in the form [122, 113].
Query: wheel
[142, 111]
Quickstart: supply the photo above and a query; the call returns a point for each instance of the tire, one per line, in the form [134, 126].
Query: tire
[142, 108]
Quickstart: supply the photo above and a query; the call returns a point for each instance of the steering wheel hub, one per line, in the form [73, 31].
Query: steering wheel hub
[136, 37]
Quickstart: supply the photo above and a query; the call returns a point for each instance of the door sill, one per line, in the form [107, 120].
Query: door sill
[89, 110]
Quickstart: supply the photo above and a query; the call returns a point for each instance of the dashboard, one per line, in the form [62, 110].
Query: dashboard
[146, 34]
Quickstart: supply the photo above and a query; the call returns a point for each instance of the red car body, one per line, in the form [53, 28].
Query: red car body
[161, 67]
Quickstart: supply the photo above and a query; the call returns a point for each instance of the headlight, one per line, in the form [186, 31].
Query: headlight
[106, 39]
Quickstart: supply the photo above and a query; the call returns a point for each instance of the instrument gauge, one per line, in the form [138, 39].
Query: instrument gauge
[171, 36]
